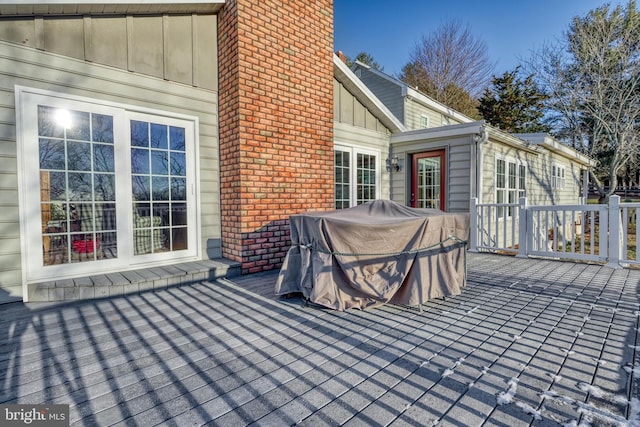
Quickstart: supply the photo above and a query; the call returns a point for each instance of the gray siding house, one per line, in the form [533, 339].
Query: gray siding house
[442, 158]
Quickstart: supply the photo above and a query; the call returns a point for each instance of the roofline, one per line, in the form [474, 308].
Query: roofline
[341, 71]
[547, 141]
[448, 131]
[472, 128]
[426, 100]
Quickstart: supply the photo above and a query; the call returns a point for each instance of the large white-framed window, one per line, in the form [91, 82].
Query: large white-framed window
[357, 175]
[557, 177]
[510, 179]
[103, 186]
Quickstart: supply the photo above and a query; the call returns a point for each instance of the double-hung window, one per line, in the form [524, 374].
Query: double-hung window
[510, 184]
[357, 176]
[104, 187]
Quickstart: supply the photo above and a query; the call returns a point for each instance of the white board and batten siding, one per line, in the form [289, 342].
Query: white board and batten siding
[122, 80]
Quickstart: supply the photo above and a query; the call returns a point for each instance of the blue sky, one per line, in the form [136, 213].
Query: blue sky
[511, 29]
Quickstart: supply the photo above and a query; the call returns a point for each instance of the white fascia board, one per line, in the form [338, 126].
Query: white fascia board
[511, 140]
[96, 2]
[551, 144]
[436, 105]
[345, 76]
[449, 131]
[98, 7]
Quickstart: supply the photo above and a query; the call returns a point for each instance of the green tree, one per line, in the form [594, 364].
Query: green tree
[367, 59]
[593, 79]
[514, 104]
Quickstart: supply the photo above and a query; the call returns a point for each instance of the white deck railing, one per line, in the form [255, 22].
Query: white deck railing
[589, 232]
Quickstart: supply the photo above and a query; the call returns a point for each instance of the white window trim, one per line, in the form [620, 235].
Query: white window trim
[558, 176]
[31, 243]
[354, 150]
[424, 117]
[518, 163]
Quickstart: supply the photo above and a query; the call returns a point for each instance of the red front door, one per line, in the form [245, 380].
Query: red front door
[427, 180]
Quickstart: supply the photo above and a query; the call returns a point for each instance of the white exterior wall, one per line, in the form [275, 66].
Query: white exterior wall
[414, 111]
[538, 179]
[33, 68]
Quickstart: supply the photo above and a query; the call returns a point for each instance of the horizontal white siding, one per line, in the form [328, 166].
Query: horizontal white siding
[538, 181]
[33, 68]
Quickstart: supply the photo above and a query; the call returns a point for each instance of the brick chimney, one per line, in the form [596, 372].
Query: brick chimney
[276, 123]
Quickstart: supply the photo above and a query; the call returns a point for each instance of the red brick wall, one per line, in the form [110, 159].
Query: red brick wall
[276, 123]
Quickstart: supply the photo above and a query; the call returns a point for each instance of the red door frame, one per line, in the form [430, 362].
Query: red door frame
[414, 175]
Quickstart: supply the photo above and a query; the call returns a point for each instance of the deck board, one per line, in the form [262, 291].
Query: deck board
[556, 339]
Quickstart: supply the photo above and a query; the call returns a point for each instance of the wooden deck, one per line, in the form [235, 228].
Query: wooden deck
[529, 342]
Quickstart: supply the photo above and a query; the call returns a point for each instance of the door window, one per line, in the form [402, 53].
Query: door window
[427, 182]
[110, 189]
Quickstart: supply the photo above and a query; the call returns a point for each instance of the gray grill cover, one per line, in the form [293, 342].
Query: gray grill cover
[349, 258]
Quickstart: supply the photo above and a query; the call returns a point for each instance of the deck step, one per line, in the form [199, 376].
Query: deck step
[132, 281]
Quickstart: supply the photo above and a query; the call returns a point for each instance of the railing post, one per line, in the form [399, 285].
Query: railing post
[615, 247]
[522, 228]
[473, 225]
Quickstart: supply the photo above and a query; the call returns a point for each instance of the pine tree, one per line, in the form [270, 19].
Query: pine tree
[514, 104]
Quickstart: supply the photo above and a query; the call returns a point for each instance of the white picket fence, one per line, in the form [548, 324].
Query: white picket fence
[589, 232]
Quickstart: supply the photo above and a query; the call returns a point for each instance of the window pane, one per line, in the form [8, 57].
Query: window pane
[177, 137]
[103, 160]
[342, 179]
[178, 189]
[500, 174]
[52, 154]
[105, 187]
[159, 188]
[179, 214]
[79, 126]
[159, 137]
[141, 188]
[79, 186]
[139, 134]
[55, 186]
[139, 160]
[48, 125]
[159, 162]
[79, 156]
[178, 164]
[512, 175]
[102, 128]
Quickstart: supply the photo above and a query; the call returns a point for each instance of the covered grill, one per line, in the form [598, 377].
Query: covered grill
[375, 253]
